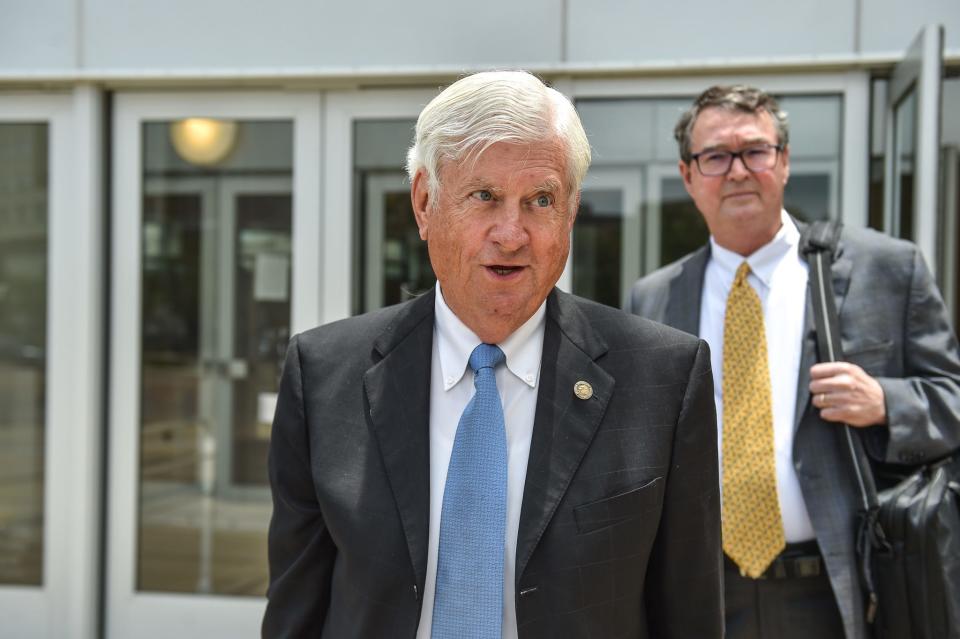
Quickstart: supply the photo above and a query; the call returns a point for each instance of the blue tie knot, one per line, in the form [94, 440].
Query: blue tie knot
[485, 356]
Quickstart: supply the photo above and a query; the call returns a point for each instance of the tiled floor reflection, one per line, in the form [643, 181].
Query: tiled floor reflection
[21, 476]
[190, 542]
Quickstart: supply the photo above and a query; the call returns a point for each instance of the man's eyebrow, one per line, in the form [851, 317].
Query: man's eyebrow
[550, 185]
[727, 147]
[480, 184]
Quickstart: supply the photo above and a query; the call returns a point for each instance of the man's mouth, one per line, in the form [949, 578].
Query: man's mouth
[504, 271]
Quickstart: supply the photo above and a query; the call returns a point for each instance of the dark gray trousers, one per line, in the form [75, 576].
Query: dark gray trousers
[788, 608]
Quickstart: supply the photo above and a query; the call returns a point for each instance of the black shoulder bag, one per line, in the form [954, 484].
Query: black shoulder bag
[908, 536]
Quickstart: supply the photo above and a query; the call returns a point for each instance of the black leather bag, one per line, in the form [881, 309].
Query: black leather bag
[914, 550]
[908, 539]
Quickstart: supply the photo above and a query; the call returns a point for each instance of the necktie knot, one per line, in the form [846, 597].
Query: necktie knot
[485, 356]
[742, 272]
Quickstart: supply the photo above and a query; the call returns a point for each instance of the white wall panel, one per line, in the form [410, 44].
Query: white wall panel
[110, 35]
[644, 32]
[182, 34]
[891, 25]
[39, 34]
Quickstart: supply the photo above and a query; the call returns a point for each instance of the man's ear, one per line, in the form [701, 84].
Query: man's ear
[420, 198]
[785, 158]
[575, 210]
[686, 174]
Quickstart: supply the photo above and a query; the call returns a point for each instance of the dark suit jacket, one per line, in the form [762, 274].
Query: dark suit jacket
[893, 323]
[619, 528]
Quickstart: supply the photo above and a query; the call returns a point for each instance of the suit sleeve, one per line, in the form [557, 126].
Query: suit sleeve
[923, 406]
[647, 300]
[684, 588]
[301, 552]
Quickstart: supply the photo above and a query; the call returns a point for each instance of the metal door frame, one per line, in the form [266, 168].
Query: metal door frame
[66, 604]
[921, 70]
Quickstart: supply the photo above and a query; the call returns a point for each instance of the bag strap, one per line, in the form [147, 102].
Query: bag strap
[818, 245]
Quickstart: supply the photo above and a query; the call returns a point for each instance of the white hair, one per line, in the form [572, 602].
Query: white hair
[480, 110]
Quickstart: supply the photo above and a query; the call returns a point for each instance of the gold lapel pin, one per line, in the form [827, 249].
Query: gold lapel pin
[583, 390]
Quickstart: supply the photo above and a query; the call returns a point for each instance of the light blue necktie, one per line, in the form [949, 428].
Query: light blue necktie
[468, 601]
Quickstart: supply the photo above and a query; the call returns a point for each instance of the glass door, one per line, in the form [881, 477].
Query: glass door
[913, 143]
[49, 373]
[605, 250]
[24, 181]
[208, 270]
[673, 225]
[373, 254]
[949, 227]
[397, 266]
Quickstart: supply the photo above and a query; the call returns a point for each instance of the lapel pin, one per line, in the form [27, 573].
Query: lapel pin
[583, 390]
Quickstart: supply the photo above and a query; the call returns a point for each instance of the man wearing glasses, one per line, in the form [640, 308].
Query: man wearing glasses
[790, 499]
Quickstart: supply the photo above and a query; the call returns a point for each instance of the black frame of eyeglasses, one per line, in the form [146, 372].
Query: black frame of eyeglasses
[695, 157]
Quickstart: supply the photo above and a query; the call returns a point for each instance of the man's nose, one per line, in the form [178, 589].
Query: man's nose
[738, 169]
[508, 231]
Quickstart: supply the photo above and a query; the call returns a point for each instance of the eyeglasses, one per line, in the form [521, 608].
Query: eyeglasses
[757, 159]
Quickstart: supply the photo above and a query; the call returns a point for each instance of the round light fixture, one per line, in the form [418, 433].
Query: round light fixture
[203, 141]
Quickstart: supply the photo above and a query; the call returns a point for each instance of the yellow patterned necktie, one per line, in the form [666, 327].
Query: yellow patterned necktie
[752, 526]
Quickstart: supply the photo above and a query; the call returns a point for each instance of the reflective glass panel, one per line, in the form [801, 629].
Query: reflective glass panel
[216, 243]
[682, 229]
[391, 261]
[878, 109]
[23, 337]
[904, 160]
[950, 112]
[597, 250]
[948, 218]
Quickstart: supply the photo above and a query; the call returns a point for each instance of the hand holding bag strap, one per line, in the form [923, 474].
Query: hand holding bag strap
[818, 245]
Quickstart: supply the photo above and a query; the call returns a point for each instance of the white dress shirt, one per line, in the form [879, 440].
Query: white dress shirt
[779, 276]
[451, 388]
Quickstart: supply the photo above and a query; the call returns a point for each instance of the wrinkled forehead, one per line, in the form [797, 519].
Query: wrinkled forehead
[718, 126]
[480, 158]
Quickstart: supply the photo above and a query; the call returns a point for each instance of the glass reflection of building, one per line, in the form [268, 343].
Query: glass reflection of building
[216, 307]
[23, 310]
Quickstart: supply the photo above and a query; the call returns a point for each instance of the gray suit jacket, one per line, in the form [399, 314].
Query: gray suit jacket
[893, 323]
[619, 528]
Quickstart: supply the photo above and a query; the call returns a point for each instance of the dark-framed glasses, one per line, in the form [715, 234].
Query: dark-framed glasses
[756, 158]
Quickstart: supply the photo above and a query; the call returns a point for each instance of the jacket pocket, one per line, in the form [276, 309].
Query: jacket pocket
[870, 356]
[615, 509]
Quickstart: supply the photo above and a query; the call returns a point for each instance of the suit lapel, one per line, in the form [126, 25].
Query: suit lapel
[398, 395]
[683, 307]
[564, 425]
[840, 277]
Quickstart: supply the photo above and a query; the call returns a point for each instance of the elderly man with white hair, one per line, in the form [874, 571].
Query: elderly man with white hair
[495, 458]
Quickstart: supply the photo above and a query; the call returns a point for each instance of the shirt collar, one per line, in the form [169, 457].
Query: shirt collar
[522, 349]
[763, 262]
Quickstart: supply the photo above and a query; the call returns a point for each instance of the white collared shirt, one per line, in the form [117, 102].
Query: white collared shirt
[451, 388]
[779, 276]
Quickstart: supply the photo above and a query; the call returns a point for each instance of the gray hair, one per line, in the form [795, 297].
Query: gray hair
[480, 110]
[737, 97]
